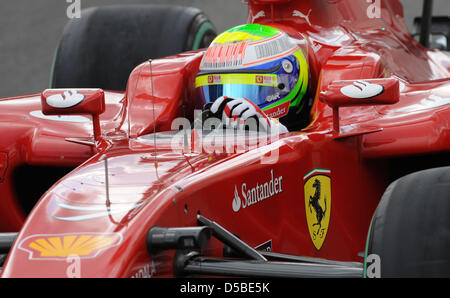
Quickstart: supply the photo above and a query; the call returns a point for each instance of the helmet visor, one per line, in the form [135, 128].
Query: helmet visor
[262, 89]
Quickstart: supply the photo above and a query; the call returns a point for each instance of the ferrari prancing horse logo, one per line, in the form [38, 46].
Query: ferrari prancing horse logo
[318, 204]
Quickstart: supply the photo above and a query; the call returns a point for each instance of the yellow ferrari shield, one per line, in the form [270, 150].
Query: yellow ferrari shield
[318, 204]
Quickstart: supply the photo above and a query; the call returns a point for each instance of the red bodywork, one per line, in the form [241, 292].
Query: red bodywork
[171, 188]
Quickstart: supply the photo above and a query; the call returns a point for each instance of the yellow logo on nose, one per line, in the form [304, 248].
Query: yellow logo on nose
[62, 246]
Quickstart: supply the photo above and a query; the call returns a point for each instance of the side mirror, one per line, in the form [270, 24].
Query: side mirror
[75, 101]
[359, 93]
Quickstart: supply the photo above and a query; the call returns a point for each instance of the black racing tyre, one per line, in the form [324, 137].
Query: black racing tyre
[100, 49]
[410, 230]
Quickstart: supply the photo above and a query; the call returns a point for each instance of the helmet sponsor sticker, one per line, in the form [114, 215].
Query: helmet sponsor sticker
[277, 111]
[264, 79]
[273, 97]
[255, 194]
[317, 187]
[247, 53]
[271, 47]
[237, 79]
[214, 79]
[60, 246]
[224, 56]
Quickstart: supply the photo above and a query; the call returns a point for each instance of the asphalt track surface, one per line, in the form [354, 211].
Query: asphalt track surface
[30, 31]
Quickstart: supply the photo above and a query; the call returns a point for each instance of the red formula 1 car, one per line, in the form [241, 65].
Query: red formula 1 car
[92, 184]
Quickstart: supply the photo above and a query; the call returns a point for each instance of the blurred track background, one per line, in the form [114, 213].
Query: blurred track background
[30, 31]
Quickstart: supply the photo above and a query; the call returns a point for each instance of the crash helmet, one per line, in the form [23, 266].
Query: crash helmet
[257, 62]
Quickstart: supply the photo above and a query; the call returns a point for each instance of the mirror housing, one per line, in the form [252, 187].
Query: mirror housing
[75, 101]
[359, 93]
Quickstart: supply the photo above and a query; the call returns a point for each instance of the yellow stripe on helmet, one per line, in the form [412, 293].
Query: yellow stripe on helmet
[236, 78]
[230, 37]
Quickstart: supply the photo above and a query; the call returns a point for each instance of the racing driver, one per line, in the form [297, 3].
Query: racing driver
[255, 72]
